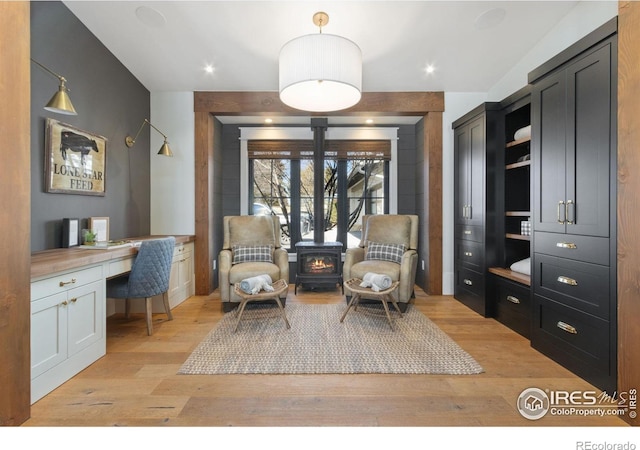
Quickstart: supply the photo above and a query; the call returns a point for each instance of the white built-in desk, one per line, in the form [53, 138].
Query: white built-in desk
[69, 311]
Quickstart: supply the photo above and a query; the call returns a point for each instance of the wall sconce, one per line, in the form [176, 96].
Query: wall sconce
[164, 150]
[60, 102]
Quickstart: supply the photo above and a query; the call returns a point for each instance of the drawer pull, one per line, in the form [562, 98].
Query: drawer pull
[468, 282]
[64, 303]
[73, 300]
[569, 245]
[468, 254]
[566, 327]
[567, 280]
[64, 283]
[467, 232]
[513, 299]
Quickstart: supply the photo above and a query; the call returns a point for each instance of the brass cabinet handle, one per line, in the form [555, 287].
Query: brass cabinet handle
[569, 245]
[64, 283]
[566, 327]
[560, 204]
[73, 300]
[567, 280]
[568, 205]
[468, 282]
[64, 303]
[468, 254]
[513, 299]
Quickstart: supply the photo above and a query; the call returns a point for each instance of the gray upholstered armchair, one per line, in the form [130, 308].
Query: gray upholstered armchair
[400, 230]
[251, 247]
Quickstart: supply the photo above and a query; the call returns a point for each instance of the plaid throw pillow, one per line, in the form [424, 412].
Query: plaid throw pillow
[385, 252]
[252, 253]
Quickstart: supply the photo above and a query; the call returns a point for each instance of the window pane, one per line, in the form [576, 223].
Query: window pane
[272, 192]
[365, 194]
[331, 200]
[306, 199]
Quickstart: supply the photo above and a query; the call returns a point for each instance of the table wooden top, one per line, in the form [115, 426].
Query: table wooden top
[55, 260]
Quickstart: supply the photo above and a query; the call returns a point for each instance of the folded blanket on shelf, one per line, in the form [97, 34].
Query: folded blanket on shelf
[253, 285]
[377, 282]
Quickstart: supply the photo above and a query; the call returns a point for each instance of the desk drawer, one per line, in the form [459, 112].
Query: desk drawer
[470, 254]
[581, 248]
[580, 285]
[513, 306]
[119, 267]
[469, 289]
[64, 282]
[575, 339]
[469, 233]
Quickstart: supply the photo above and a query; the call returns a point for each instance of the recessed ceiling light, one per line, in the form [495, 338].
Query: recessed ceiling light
[268, 120]
[209, 68]
[490, 18]
[429, 68]
[150, 17]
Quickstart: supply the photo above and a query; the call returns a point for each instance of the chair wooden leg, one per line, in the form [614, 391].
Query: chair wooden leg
[149, 306]
[165, 300]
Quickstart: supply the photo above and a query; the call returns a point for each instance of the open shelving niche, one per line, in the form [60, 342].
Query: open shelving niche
[517, 191]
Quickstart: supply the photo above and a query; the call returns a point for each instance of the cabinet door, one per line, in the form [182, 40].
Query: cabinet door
[86, 318]
[462, 162]
[589, 143]
[48, 333]
[469, 162]
[548, 120]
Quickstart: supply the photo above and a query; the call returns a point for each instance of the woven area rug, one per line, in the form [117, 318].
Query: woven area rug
[318, 343]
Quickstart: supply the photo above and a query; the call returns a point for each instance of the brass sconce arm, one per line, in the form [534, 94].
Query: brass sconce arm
[60, 102]
[164, 150]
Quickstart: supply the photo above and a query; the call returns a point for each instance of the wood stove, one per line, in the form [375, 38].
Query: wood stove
[319, 264]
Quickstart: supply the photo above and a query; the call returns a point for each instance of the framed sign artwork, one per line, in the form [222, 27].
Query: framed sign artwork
[75, 160]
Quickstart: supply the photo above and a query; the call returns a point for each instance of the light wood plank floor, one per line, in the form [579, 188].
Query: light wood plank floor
[136, 383]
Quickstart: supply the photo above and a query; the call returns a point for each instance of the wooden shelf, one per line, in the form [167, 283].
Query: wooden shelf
[518, 164]
[517, 213]
[511, 275]
[518, 236]
[518, 142]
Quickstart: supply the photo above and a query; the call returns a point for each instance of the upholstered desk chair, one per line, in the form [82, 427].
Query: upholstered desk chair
[387, 246]
[251, 247]
[149, 277]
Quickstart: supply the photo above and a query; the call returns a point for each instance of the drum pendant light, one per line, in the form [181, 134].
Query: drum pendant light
[320, 72]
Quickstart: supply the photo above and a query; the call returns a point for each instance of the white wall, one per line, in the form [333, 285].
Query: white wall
[585, 17]
[173, 179]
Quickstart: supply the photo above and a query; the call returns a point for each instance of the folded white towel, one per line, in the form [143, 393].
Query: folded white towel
[522, 133]
[376, 281]
[253, 285]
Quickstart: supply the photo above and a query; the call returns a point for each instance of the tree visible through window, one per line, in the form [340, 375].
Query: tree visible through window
[353, 186]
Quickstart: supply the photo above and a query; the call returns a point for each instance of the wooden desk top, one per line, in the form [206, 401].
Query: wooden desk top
[48, 262]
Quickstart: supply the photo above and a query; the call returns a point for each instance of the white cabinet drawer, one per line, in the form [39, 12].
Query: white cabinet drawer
[64, 282]
[119, 267]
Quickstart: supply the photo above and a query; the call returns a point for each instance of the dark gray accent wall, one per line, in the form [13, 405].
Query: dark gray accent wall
[218, 192]
[110, 102]
[406, 169]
